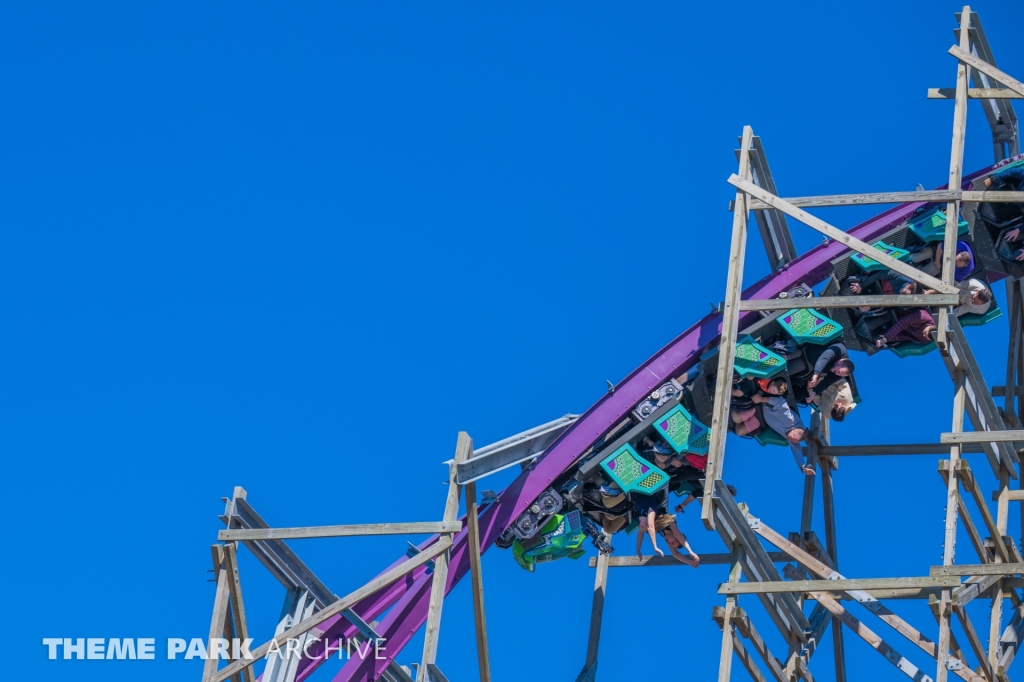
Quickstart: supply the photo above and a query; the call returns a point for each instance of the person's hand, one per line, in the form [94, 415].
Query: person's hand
[813, 380]
[810, 397]
[696, 560]
[737, 393]
[1012, 235]
[988, 182]
[660, 553]
[1019, 257]
[880, 342]
[680, 509]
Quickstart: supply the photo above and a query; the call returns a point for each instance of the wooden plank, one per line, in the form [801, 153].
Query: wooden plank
[965, 515]
[431, 527]
[476, 573]
[981, 407]
[967, 477]
[1005, 436]
[747, 662]
[728, 632]
[974, 587]
[237, 603]
[899, 449]
[831, 544]
[978, 569]
[597, 609]
[842, 237]
[747, 629]
[871, 198]
[873, 640]
[826, 302]
[987, 69]
[439, 580]
[838, 585]
[705, 560]
[866, 600]
[974, 641]
[220, 614]
[956, 161]
[727, 344]
[349, 600]
[974, 93]
[1000, 391]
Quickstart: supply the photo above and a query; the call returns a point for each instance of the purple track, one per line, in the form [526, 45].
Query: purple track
[408, 599]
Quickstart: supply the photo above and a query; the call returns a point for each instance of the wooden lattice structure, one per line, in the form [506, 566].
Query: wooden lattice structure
[813, 576]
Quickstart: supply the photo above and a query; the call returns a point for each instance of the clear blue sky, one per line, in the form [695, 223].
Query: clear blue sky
[239, 238]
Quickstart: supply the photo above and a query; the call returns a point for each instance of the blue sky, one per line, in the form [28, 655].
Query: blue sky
[240, 240]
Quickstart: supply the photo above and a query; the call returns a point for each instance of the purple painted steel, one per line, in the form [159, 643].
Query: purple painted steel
[410, 598]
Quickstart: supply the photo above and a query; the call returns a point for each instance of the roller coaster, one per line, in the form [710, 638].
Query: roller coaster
[907, 281]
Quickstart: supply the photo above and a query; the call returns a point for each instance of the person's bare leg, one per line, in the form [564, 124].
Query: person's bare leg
[653, 533]
[640, 532]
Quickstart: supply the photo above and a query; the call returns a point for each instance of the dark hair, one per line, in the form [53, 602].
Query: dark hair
[985, 295]
[779, 384]
[914, 288]
[838, 413]
[844, 363]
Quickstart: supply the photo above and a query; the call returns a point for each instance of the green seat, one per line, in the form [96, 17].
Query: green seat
[972, 320]
[871, 265]
[754, 360]
[769, 437]
[683, 431]
[906, 350]
[807, 325]
[632, 472]
[931, 226]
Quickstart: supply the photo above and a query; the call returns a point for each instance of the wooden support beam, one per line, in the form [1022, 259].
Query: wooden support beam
[747, 662]
[476, 573]
[981, 408]
[746, 628]
[899, 449]
[430, 527]
[1000, 391]
[952, 494]
[705, 560]
[597, 610]
[965, 515]
[237, 603]
[831, 200]
[1005, 436]
[838, 585]
[977, 569]
[992, 72]
[826, 302]
[974, 641]
[974, 587]
[974, 93]
[727, 344]
[814, 565]
[728, 633]
[220, 613]
[956, 162]
[842, 237]
[439, 580]
[971, 485]
[873, 640]
[349, 600]
[831, 544]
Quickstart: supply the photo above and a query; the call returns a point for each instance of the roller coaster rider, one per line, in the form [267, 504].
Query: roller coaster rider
[1007, 215]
